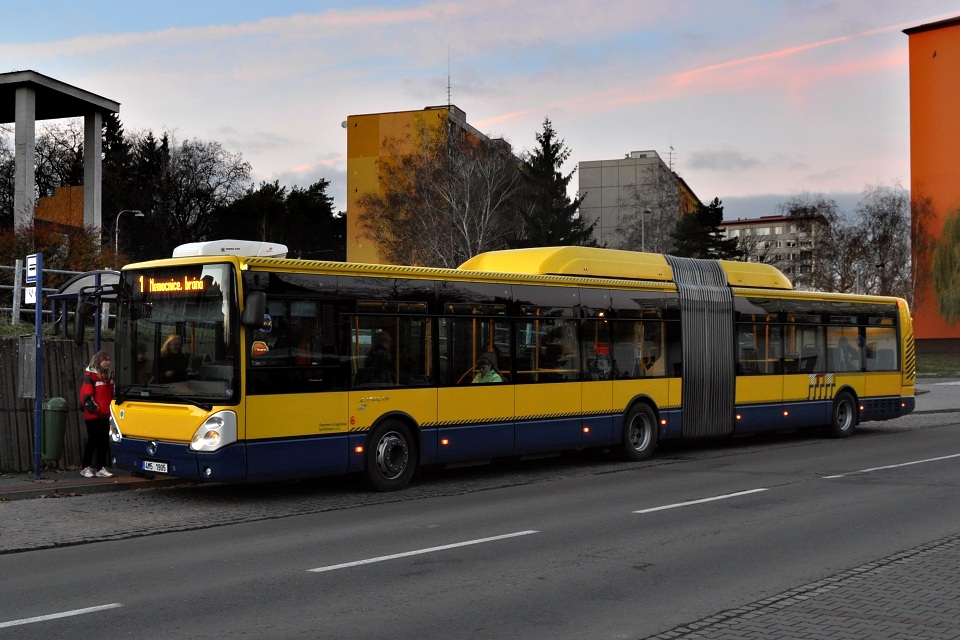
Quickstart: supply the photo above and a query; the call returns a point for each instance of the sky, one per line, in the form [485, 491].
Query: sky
[750, 101]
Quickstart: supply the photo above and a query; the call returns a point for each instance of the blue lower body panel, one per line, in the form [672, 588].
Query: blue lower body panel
[258, 461]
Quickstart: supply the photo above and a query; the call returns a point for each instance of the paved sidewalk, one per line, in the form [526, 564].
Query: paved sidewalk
[908, 596]
[937, 395]
[53, 484]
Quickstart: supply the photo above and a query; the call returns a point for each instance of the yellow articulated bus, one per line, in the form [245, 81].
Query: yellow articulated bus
[236, 364]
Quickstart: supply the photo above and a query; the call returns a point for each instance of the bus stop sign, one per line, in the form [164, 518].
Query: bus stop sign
[32, 268]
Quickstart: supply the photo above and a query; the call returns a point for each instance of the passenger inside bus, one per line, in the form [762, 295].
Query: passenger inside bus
[142, 371]
[486, 371]
[378, 363]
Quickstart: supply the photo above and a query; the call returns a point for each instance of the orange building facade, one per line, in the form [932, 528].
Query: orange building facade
[934, 161]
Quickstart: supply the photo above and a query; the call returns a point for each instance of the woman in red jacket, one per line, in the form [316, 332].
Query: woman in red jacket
[96, 392]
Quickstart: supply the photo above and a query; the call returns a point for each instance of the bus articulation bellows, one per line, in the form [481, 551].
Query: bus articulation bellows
[296, 368]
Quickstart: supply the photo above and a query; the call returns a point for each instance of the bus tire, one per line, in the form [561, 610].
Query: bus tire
[843, 416]
[639, 437]
[391, 456]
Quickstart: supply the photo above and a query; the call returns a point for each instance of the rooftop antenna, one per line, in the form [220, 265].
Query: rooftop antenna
[448, 77]
[670, 157]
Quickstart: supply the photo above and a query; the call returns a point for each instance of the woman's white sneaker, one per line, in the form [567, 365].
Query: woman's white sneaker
[87, 472]
[103, 473]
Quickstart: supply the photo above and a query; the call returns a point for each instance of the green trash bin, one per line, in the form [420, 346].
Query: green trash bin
[53, 428]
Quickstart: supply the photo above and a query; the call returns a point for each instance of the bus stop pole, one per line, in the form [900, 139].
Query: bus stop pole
[38, 389]
[97, 314]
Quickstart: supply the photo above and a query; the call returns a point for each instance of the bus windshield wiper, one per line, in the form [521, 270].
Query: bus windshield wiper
[169, 394]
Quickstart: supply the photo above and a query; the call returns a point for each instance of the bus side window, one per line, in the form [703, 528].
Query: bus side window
[651, 349]
[674, 349]
[881, 349]
[812, 357]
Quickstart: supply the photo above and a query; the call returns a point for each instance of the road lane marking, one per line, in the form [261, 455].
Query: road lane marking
[687, 504]
[54, 616]
[405, 554]
[893, 466]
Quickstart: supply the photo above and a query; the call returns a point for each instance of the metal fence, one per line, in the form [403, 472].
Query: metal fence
[63, 364]
[17, 312]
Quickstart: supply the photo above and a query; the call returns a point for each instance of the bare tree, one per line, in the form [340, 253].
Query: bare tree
[922, 242]
[441, 200]
[482, 179]
[59, 158]
[59, 163]
[883, 218]
[199, 178]
[652, 210]
[755, 248]
[867, 251]
[822, 239]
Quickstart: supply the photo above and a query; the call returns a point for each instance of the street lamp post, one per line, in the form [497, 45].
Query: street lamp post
[116, 227]
[643, 228]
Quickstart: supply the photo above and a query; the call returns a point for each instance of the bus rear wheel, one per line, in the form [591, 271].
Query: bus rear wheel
[639, 438]
[391, 456]
[843, 416]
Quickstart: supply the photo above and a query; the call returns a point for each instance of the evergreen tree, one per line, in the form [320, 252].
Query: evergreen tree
[118, 171]
[312, 230]
[698, 235]
[301, 219]
[548, 217]
[257, 215]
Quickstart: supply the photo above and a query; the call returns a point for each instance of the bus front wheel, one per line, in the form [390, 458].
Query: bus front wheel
[639, 437]
[391, 456]
[843, 417]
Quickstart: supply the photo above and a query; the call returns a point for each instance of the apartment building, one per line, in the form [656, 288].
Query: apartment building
[373, 139]
[786, 242]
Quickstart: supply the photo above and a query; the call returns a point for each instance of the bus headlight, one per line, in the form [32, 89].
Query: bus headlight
[115, 435]
[217, 431]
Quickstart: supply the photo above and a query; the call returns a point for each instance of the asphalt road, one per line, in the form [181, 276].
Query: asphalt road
[569, 548]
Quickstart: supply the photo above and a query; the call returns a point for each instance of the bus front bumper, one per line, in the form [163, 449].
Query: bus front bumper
[178, 460]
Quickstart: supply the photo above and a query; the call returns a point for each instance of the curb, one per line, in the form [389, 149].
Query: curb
[53, 488]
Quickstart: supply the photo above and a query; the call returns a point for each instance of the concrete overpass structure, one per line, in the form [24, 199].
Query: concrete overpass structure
[28, 96]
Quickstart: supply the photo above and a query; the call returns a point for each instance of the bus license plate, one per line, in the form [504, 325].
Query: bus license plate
[155, 467]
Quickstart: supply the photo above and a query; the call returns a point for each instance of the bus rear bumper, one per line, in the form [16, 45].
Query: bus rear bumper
[886, 408]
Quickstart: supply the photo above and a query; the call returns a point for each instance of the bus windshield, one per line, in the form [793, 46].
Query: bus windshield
[177, 335]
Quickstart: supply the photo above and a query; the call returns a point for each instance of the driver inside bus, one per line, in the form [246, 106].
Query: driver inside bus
[173, 361]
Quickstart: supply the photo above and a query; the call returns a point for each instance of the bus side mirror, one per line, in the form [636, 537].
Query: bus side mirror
[254, 307]
[80, 319]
